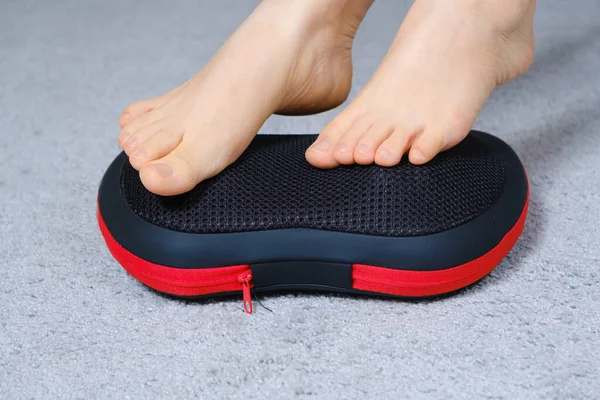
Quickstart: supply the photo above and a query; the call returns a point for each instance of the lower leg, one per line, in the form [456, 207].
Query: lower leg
[446, 59]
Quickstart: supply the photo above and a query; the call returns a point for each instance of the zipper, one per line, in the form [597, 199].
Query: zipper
[229, 281]
[213, 282]
[180, 281]
[246, 280]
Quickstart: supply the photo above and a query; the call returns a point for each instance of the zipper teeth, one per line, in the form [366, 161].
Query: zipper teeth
[237, 277]
[231, 278]
[411, 283]
[222, 285]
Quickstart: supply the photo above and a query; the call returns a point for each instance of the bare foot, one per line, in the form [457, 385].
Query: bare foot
[447, 58]
[289, 57]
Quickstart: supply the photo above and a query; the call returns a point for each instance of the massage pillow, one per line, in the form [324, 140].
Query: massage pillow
[273, 222]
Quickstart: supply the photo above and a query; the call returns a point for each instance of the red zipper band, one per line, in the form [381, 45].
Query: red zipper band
[179, 281]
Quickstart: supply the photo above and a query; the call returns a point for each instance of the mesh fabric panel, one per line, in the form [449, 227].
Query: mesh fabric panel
[272, 186]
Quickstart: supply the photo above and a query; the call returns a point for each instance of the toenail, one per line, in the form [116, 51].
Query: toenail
[384, 153]
[321, 145]
[363, 148]
[417, 155]
[163, 170]
[139, 153]
[343, 148]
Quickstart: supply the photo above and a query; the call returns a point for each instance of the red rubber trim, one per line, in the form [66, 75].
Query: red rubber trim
[428, 283]
[177, 281]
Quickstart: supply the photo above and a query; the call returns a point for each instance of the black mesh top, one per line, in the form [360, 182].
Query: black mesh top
[272, 186]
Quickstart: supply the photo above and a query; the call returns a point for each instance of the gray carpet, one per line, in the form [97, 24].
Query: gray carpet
[74, 325]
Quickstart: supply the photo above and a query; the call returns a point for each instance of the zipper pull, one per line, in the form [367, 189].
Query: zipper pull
[245, 280]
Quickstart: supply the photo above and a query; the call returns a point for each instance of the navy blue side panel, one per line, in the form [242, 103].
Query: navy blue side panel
[302, 273]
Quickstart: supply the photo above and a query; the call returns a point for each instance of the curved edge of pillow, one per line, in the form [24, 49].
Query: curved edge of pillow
[446, 250]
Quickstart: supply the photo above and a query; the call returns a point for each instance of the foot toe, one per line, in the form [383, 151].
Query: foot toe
[346, 146]
[178, 172]
[135, 110]
[320, 153]
[158, 178]
[132, 142]
[130, 135]
[343, 152]
[364, 152]
[427, 146]
[139, 108]
[390, 152]
[157, 145]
